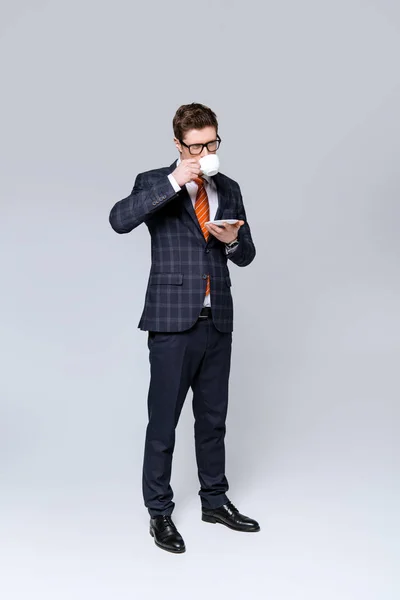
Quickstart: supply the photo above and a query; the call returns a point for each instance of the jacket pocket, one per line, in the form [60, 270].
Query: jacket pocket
[166, 279]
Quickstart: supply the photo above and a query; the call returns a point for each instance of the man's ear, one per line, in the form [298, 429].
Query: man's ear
[178, 145]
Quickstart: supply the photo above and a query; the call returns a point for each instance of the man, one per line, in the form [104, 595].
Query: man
[188, 314]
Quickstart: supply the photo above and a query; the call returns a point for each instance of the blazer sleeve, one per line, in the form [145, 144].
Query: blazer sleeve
[245, 251]
[143, 201]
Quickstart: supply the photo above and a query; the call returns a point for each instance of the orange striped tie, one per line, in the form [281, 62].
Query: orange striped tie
[202, 210]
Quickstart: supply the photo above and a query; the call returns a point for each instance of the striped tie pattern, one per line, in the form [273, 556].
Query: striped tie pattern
[202, 210]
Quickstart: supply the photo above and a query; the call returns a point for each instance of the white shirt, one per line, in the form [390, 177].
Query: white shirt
[212, 194]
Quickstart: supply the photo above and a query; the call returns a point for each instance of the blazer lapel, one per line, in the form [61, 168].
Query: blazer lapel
[222, 200]
[222, 197]
[188, 215]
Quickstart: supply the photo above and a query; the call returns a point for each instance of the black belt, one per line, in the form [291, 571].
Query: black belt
[205, 313]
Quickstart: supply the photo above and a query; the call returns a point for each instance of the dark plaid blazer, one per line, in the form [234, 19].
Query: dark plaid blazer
[181, 259]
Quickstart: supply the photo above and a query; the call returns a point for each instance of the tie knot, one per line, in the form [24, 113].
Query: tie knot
[199, 181]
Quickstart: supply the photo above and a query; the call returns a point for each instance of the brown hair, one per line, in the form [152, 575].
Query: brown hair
[193, 116]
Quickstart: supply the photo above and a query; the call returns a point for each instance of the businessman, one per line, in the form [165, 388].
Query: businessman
[188, 314]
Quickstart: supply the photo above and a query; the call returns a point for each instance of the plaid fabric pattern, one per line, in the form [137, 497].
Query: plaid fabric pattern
[181, 258]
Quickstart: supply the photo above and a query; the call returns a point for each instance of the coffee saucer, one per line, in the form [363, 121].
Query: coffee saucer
[221, 222]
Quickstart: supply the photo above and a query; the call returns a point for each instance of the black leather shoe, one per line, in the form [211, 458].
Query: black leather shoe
[229, 515]
[166, 535]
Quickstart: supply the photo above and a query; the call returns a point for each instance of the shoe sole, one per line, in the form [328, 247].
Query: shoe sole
[164, 548]
[210, 519]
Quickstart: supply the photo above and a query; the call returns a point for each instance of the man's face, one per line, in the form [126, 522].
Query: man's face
[196, 136]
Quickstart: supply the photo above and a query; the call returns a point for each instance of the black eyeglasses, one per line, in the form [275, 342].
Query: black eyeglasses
[198, 148]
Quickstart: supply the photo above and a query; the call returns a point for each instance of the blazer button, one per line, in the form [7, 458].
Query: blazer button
[154, 202]
[204, 276]
[207, 250]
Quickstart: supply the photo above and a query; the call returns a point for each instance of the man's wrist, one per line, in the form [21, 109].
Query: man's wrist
[230, 247]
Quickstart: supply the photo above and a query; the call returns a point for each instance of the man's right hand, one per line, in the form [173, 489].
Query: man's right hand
[187, 170]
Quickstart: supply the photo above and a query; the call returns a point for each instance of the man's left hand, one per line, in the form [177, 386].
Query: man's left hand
[226, 234]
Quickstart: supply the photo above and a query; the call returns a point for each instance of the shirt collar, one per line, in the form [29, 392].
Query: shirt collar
[206, 177]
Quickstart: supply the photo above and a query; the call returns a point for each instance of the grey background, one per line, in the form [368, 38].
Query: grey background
[307, 94]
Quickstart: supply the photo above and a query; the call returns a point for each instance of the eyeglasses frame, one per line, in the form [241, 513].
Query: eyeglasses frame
[203, 146]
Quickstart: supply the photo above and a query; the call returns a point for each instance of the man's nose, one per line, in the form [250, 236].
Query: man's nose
[204, 152]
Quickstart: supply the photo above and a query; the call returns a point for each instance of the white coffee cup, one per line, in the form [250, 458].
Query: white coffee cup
[209, 164]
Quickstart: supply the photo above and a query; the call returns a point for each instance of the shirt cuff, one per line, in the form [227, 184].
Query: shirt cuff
[174, 183]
